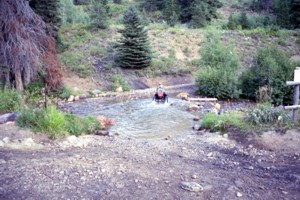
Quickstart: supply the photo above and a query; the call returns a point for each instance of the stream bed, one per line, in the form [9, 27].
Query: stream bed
[140, 118]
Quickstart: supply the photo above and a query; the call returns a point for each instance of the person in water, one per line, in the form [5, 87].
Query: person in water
[160, 94]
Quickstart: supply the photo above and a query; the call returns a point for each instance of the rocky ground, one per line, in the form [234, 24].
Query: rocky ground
[207, 166]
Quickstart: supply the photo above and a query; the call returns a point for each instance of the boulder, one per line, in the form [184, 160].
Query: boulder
[191, 186]
[104, 121]
[196, 118]
[183, 96]
[193, 107]
[77, 98]
[83, 96]
[102, 133]
[119, 89]
[71, 98]
[8, 117]
[94, 92]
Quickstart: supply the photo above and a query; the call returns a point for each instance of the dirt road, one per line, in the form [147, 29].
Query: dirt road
[208, 166]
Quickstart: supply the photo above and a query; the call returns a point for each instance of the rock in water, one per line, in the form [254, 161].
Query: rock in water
[191, 186]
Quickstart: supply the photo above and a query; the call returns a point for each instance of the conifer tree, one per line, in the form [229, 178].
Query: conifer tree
[171, 11]
[133, 49]
[199, 12]
[99, 10]
[282, 11]
[49, 11]
[295, 13]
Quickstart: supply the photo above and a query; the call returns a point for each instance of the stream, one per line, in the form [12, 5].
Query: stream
[141, 118]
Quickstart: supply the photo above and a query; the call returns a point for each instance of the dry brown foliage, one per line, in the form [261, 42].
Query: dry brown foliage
[25, 47]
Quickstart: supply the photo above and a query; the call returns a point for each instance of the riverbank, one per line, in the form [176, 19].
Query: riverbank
[117, 167]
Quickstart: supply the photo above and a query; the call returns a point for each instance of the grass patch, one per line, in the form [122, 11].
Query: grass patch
[10, 100]
[225, 122]
[56, 123]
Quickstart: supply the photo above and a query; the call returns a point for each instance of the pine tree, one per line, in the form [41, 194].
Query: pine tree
[171, 10]
[99, 10]
[133, 50]
[117, 1]
[244, 21]
[49, 11]
[295, 13]
[231, 22]
[199, 13]
[173, 20]
[282, 11]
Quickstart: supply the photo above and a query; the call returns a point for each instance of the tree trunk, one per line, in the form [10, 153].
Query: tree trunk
[18, 79]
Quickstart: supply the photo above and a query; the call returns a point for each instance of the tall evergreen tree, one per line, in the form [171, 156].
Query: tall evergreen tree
[99, 10]
[199, 12]
[295, 13]
[282, 11]
[171, 10]
[133, 50]
[49, 11]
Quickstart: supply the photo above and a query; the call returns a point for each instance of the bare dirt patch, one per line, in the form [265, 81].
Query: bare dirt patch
[117, 167]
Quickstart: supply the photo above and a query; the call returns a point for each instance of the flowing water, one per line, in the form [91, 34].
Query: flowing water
[140, 118]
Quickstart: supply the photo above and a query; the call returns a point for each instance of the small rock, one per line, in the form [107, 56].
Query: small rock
[193, 107]
[197, 127]
[251, 167]
[194, 176]
[1, 143]
[2, 161]
[28, 142]
[119, 89]
[183, 96]
[6, 140]
[94, 92]
[238, 194]
[211, 154]
[102, 133]
[196, 118]
[83, 96]
[284, 192]
[71, 98]
[225, 135]
[7, 117]
[77, 98]
[191, 186]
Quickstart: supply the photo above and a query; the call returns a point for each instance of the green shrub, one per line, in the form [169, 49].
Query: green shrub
[118, 81]
[33, 93]
[10, 100]
[224, 122]
[71, 14]
[218, 77]
[271, 70]
[266, 114]
[56, 123]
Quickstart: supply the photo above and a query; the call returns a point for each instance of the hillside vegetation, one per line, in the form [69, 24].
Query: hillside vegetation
[175, 50]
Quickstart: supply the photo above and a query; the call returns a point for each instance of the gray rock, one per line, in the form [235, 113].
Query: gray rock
[77, 98]
[2, 161]
[95, 92]
[191, 186]
[83, 96]
[7, 117]
[6, 140]
[28, 142]
[71, 98]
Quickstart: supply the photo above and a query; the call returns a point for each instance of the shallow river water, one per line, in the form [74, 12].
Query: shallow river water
[140, 118]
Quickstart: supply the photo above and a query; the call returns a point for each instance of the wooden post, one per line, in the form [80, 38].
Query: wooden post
[296, 84]
[296, 102]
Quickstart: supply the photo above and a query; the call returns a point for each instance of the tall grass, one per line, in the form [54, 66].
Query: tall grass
[56, 123]
[10, 100]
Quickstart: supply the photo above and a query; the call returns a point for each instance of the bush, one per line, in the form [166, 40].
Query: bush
[224, 122]
[70, 14]
[56, 123]
[271, 70]
[218, 77]
[244, 21]
[118, 81]
[266, 114]
[10, 100]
